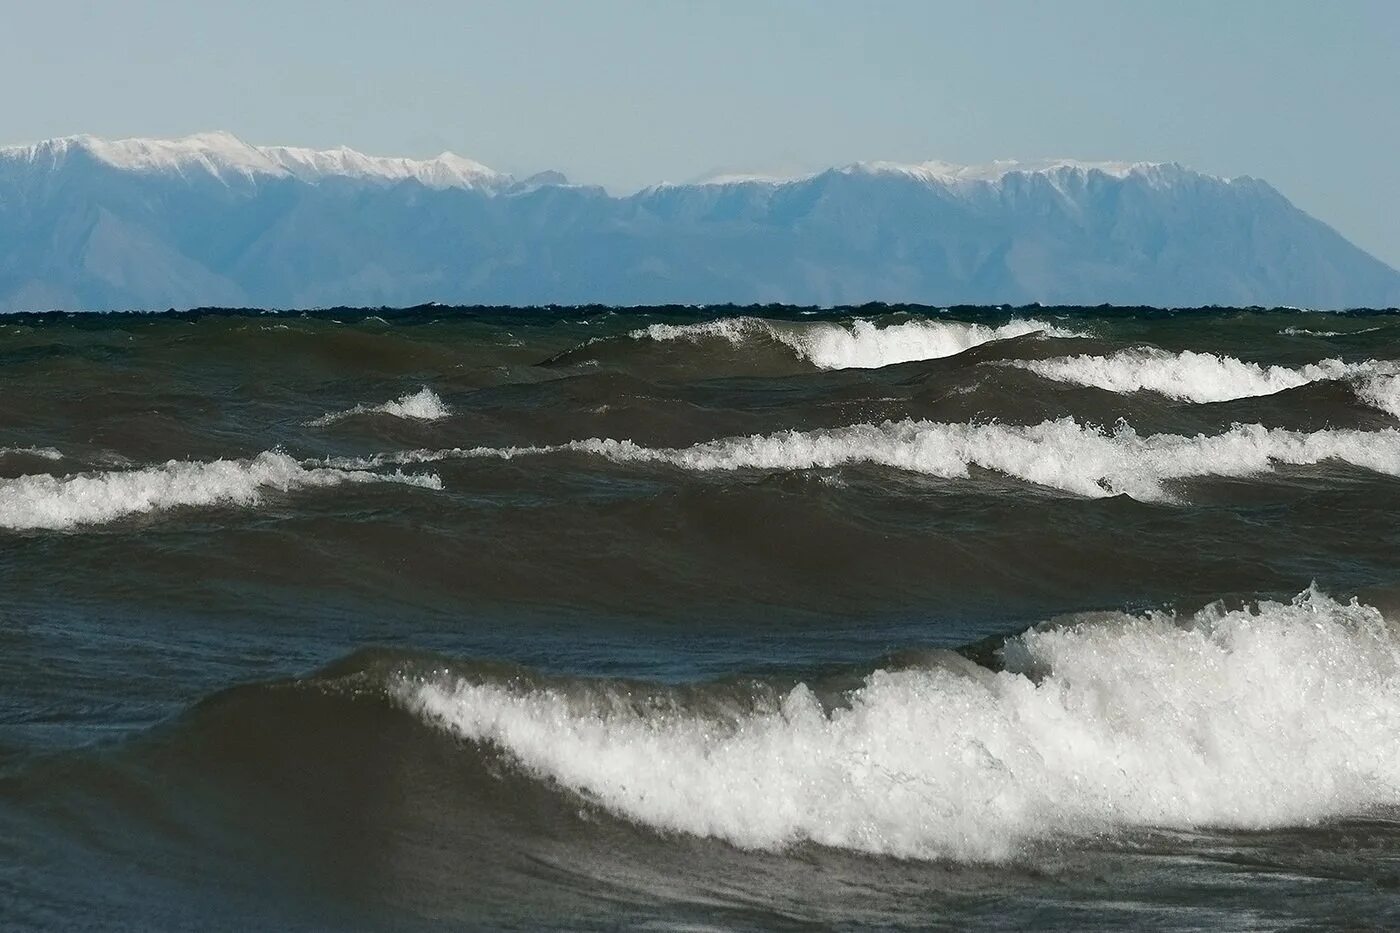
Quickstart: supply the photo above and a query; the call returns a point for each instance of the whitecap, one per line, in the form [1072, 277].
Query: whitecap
[861, 344]
[42, 501]
[1381, 392]
[1083, 460]
[1199, 377]
[1280, 714]
[423, 405]
[43, 453]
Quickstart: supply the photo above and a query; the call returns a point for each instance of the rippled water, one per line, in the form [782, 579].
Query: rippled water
[667, 618]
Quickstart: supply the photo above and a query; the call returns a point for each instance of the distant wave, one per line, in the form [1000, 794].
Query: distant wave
[1062, 454]
[43, 453]
[1201, 377]
[1305, 332]
[859, 345]
[1279, 714]
[423, 405]
[42, 501]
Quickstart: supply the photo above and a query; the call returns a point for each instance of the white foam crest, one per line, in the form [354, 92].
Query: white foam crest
[44, 453]
[1305, 332]
[861, 344]
[735, 330]
[1080, 459]
[1381, 392]
[1199, 377]
[1188, 375]
[42, 501]
[1277, 715]
[423, 405]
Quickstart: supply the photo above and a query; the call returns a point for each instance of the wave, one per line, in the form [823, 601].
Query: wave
[42, 501]
[1305, 332]
[1278, 714]
[861, 344]
[1083, 460]
[1193, 376]
[1381, 392]
[43, 453]
[423, 405]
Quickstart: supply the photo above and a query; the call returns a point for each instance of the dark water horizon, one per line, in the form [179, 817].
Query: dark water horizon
[700, 618]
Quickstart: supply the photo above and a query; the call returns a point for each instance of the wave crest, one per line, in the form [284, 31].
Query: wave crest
[860, 344]
[1080, 459]
[42, 501]
[42, 453]
[1204, 377]
[1273, 715]
[423, 405]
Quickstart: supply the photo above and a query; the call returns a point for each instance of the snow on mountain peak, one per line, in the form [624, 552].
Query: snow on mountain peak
[225, 156]
[951, 174]
[948, 172]
[447, 170]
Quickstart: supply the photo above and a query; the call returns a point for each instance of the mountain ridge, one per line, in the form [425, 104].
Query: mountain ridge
[211, 220]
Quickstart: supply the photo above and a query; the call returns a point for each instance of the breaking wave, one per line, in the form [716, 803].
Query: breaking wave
[42, 501]
[423, 405]
[1306, 332]
[1062, 454]
[1381, 392]
[43, 453]
[860, 344]
[1199, 377]
[1279, 714]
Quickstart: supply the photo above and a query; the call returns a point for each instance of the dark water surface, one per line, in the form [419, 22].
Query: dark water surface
[697, 619]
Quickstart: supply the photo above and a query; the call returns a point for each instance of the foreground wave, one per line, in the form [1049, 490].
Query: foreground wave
[1273, 715]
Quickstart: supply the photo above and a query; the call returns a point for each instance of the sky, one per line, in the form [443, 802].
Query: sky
[625, 93]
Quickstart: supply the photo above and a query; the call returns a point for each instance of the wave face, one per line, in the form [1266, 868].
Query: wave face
[861, 344]
[1197, 377]
[1381, 392]
[1280, 714]
[423, 405]
[41, 501]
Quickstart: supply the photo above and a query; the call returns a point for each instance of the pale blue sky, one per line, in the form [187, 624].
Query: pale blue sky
[625, 92]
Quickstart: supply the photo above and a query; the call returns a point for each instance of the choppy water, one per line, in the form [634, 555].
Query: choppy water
[585, 618]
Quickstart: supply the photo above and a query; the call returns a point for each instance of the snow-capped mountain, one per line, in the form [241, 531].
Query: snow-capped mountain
[211, 220]
[227, 158]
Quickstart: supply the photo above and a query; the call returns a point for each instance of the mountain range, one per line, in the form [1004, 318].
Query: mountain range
[208, 220]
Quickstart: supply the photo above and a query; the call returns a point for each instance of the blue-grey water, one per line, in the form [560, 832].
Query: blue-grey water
[592, 618]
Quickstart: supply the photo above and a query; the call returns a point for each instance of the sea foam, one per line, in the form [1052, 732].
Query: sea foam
[1201, 377]
[1381, 392]
[859, 345]
[423, 405]
[1063, 454]
[42, 501]
[43, 453]
[1280, 714]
